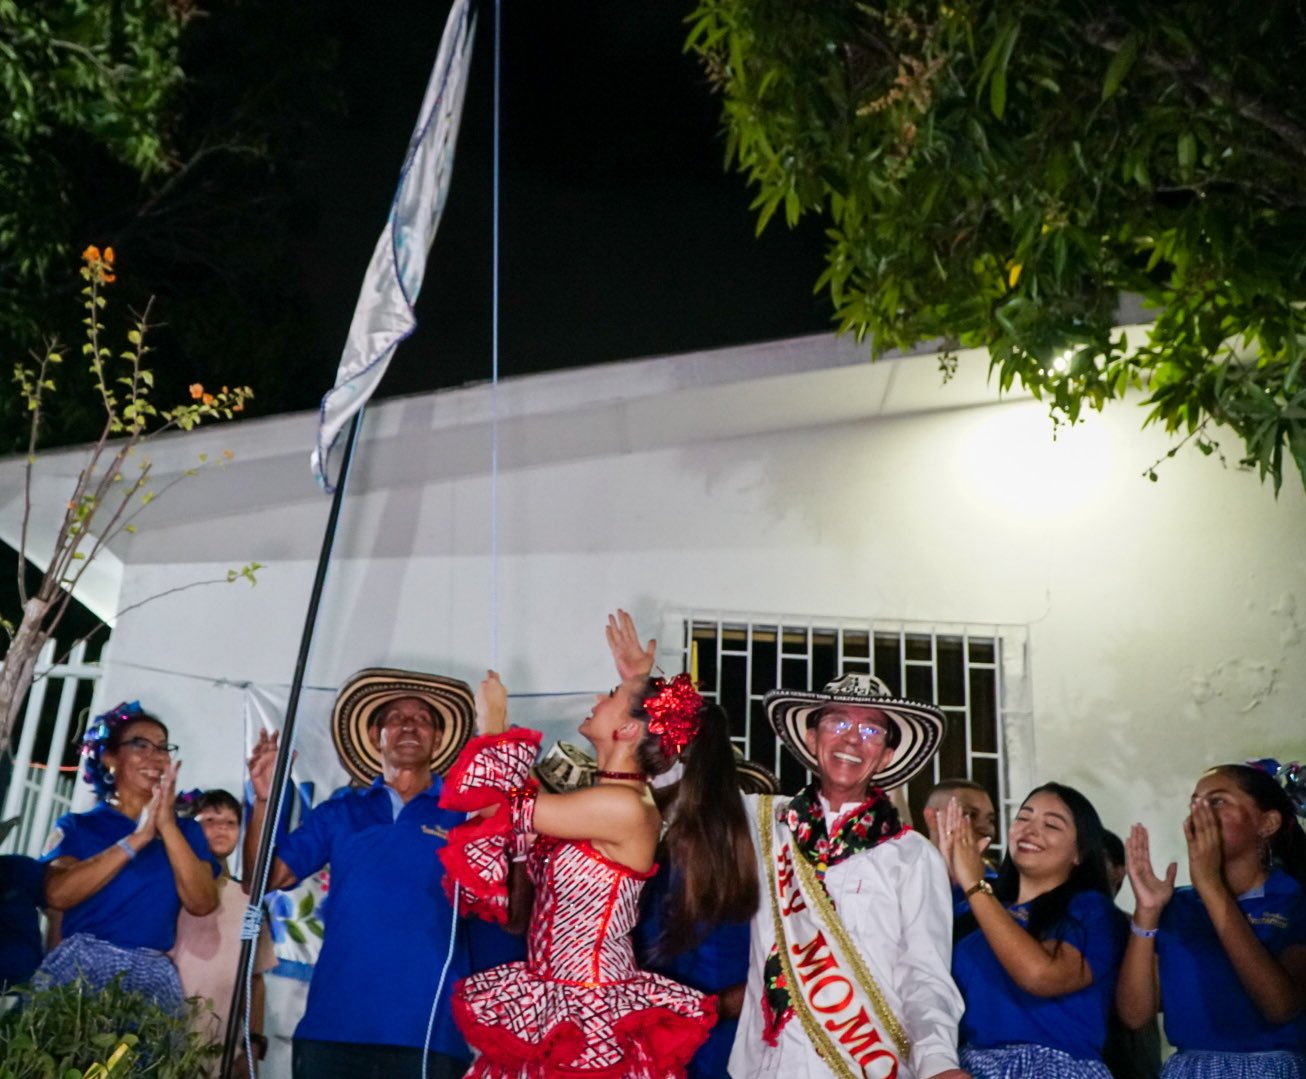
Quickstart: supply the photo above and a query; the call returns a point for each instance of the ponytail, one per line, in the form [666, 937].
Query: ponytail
[713, 867]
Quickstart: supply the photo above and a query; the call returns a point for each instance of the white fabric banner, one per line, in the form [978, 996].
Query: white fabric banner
[384, 315]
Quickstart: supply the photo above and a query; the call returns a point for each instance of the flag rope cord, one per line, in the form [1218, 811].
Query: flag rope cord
[494, 466]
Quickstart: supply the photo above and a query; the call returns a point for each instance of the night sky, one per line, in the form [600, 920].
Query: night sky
[622, 233]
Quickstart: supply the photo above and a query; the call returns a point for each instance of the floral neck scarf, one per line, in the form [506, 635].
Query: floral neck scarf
[870, 824]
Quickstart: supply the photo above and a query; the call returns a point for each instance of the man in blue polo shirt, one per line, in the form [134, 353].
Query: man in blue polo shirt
[389, 921]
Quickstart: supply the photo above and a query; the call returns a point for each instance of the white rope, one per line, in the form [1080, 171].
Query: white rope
[494, 473]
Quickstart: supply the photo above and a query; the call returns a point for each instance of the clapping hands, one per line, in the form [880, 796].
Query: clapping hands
[160, 812]
[1151, 893]
[962, 852]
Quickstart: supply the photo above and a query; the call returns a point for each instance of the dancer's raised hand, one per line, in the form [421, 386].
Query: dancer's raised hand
[491, 705]
[633, 660]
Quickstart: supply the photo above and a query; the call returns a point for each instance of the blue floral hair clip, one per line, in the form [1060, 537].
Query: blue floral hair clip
[188, 801]
[98, 733]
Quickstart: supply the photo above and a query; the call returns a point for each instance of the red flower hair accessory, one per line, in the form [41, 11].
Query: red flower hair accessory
[674, 710]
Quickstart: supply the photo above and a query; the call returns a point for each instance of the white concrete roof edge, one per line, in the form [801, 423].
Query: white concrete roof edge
[907, 378]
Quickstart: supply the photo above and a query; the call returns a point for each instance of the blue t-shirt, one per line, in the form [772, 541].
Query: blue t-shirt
[138, 908]
[719, 961]
[1206, 1006]
[387, 922]
[22, 892]
[999, 1012]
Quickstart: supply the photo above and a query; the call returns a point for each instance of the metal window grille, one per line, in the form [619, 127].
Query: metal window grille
[737, 659]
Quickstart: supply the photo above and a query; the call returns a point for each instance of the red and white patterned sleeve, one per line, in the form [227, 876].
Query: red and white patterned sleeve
[489, 778]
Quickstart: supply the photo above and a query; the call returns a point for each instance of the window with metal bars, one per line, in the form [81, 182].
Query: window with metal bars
[738, 659]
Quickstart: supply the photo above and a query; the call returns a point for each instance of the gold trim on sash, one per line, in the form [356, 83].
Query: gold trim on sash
[814, 894]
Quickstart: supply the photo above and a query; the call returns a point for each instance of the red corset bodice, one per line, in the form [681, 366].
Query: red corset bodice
[585, 909]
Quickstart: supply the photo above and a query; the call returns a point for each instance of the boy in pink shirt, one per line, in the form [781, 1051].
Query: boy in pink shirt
[207, 950]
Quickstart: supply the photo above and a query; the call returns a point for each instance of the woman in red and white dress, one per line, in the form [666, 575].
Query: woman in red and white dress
[579, 1005]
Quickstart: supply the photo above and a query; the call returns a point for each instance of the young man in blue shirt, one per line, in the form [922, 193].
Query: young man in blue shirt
[389, 923]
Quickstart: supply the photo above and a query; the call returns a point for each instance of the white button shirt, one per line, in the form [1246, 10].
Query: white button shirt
[896, 906]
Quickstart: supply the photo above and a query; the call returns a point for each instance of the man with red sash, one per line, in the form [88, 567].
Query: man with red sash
[851, 948]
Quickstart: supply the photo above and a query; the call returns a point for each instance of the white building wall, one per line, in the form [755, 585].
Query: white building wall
[1165, 620]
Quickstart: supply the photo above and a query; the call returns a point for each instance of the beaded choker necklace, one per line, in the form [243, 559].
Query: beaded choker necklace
[602, 774]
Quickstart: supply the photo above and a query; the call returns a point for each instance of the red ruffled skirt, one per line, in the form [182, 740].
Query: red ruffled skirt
[529, 1027]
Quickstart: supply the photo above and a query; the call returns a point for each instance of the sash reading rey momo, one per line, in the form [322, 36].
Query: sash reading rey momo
[814, 971]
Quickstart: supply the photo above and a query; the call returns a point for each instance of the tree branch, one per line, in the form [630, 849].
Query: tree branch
[1192, 73]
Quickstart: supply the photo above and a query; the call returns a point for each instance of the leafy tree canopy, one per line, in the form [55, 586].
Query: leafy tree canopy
[174, 134]
[1002, 174]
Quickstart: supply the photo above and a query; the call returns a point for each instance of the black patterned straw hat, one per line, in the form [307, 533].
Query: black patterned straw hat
[754, 778]
[920, 726]
[565, 767]
[373, 688]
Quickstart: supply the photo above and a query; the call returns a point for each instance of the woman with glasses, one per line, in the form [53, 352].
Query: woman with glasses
[121, 872]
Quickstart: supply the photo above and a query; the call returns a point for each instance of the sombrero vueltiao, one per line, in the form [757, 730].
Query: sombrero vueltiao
[920, 725]
[373, 688]
[567, 767]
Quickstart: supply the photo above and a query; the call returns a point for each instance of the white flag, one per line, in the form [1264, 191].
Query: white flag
[384, 315]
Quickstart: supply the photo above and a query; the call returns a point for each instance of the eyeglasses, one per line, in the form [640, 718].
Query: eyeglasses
[144, 745]
[866, 732]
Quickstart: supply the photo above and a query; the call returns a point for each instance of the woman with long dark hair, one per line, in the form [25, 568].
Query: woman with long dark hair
[122, 871]
[1227, 955]
[579, 1005]
[1036, 957]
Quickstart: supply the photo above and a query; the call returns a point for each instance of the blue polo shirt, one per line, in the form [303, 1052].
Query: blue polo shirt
[1206, 1006]
[999, 1012]
[22, 893]
[387, 921]
[138, 908]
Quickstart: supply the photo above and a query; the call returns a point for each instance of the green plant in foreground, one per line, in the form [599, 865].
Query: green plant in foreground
[75, 1032]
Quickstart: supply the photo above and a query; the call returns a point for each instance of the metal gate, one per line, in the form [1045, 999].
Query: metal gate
[40, 787]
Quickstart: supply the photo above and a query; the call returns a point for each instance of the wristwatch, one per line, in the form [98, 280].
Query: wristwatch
[979, 886]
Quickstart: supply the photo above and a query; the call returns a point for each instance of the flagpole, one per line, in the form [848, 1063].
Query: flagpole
[281, 773]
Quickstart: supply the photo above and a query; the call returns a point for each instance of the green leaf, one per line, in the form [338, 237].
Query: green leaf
[306, 905]
[1118, 70]
[995, 64]
[295, 933]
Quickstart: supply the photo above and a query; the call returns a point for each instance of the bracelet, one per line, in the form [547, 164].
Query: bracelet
[521, 806]
[1139, 931]
[127, 848]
